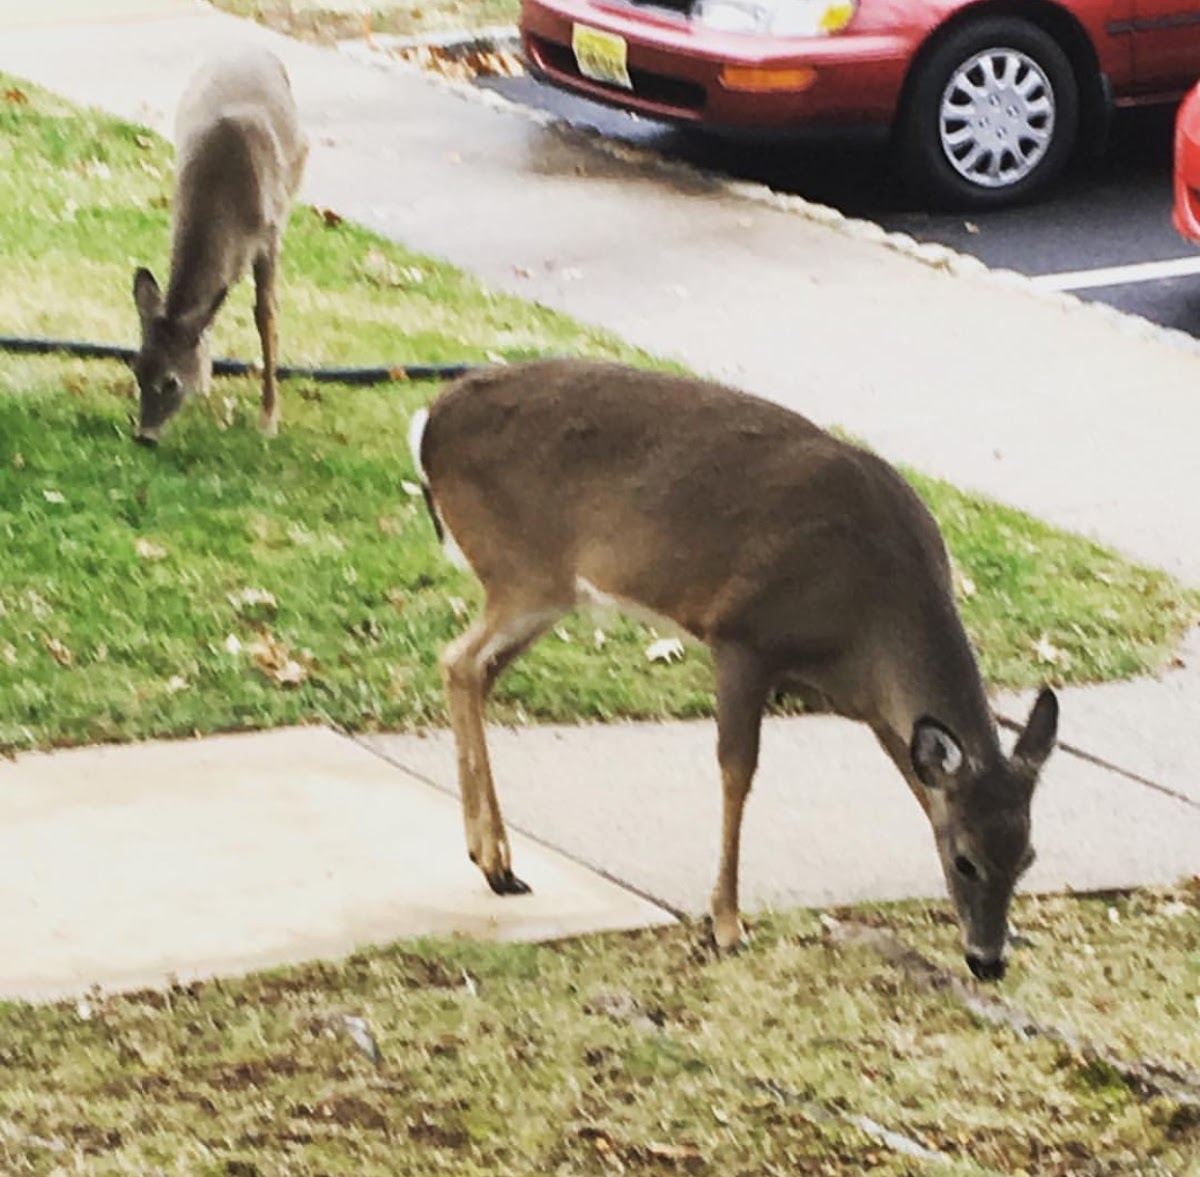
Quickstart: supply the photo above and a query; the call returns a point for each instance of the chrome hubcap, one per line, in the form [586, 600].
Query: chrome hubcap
[997, 118]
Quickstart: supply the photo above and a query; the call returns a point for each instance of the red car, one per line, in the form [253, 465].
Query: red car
[984, 99]
[1187, 167]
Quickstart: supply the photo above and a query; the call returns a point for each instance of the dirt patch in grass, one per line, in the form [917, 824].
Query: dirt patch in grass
[629, 1053]
[328, 21]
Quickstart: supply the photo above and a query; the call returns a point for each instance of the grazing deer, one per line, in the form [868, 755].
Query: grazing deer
[801, 561]
[240, 155]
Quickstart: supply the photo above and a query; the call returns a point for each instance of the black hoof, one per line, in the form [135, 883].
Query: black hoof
[986, 970]
[146, 440]
[710, 940]
[504, 882]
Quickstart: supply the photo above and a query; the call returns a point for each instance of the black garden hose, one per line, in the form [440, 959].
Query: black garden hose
[361, 376]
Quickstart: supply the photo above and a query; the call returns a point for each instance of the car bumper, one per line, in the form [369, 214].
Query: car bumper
[1186, 215]
[680, 70]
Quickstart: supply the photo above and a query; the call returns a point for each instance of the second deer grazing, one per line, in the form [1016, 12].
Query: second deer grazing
[240, 155]
[802, 561]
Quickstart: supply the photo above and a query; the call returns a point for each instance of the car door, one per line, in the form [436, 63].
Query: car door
[1166, 45]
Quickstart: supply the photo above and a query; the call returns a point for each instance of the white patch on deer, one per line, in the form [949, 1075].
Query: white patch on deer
[454, 553]
[588, 595]
[416, 431]
[952, 756]
[520, 630]
[602, 605]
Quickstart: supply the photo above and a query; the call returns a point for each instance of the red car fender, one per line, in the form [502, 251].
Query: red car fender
[1187, 166]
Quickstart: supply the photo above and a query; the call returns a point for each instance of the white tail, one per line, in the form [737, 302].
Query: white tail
[804, 563]
[240, 155]
[416, 431]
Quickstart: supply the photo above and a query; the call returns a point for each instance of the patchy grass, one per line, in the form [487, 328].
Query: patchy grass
[329, 21]
[225, 582]
[1122, 969]
[632, 1053]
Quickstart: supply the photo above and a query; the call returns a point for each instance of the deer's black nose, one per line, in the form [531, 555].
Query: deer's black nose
[986, 970]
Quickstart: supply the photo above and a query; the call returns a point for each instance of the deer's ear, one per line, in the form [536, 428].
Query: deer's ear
[937, 756]
[146, 295]
[1036, 742]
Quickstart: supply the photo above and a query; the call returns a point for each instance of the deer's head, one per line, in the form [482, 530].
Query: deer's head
[980, 816]
[172, 362]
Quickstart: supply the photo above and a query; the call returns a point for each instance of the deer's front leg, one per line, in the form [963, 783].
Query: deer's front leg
[470, 666]
[264, 320]
[742, 689]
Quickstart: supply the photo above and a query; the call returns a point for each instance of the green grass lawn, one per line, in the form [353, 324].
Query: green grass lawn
[634, 1054]
[158, 592]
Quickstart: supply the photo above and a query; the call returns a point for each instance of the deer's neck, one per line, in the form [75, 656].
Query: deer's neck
[937, 676]
[204, 264]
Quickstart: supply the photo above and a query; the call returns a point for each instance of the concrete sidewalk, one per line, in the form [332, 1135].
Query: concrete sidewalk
[126, 866]
[1060, 409]
[829, 819]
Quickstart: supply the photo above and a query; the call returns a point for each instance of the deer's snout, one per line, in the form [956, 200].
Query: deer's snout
[984, 969]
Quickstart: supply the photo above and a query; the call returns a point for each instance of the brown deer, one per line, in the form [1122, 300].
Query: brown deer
[240, 155]
[803, 562]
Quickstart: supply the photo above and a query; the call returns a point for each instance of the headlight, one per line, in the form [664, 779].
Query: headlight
[785, 18]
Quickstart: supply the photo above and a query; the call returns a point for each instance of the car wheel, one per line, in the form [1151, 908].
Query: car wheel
[991, 116]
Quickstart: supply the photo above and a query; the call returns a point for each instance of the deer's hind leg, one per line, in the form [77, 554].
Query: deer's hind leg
[742, 690]
[470, 666]
[265, 308]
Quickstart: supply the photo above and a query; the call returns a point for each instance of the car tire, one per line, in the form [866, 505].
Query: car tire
[991, 116]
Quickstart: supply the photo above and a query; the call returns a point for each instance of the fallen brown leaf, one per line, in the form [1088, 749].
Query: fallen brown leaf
[665, 650]
[398, 681]
[60, 653]
[381, 270]
[461, 64]
[147, 549]
[256, 601]
[683, 1155]
[1047, 652]
[331, 219]
[283, 667]
[16, 96]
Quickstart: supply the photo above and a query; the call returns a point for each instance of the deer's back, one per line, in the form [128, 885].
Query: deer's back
[250, 78]
[715, 508]
[237, 130]
[240, 154]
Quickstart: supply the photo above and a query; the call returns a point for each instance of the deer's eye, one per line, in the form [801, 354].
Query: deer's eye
[966, 867]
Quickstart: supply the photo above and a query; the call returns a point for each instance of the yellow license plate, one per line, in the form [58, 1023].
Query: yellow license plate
[601, 56]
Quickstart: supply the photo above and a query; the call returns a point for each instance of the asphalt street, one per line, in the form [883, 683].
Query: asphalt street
[1109, 213]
